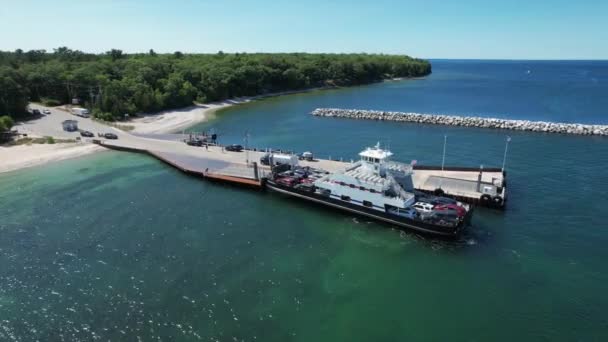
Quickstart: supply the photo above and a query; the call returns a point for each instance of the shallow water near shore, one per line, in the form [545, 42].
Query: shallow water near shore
[120, 247]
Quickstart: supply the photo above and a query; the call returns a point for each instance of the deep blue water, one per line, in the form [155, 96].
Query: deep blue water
[563, 91]
[121, 247]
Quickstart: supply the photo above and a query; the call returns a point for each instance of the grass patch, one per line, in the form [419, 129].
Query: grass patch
[50, 102]
[122, 127]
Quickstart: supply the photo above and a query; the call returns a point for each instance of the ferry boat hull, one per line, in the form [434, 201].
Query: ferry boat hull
[400, 222]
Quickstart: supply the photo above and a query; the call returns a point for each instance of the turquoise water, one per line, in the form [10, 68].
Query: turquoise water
[120, 247]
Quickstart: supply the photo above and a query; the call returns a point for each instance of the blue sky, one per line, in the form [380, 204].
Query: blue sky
[514, 29]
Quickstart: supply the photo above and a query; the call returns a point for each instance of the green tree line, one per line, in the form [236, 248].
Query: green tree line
[115, 83]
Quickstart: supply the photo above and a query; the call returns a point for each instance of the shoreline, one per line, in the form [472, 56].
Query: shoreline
[175, 120]
[19, 157]
[168, 121]
[25, 156]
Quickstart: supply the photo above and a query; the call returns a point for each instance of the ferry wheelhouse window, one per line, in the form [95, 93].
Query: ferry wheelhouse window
[345, 198]
[352, 185]
[372, 191]
[368, 204]
[362, 188]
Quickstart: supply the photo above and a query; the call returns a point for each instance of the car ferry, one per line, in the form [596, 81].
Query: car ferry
[374, 187]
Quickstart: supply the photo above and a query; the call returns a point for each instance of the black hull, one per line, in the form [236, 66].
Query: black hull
[401, 222]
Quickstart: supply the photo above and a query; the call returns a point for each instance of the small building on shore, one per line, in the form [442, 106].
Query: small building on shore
[70, 125]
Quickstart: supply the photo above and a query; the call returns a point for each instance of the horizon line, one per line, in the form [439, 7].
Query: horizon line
[523, 59]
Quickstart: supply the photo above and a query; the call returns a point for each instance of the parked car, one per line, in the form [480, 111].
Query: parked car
[287, 181]
[36, 111]
[445, 200]
[423, 206]
[436, 200]
[234, 148]
[301, 172]
[110, 136]
[307, 181]
[87, 134]
[451, 207]
[305, 156]
[46, 111]
[194, 142]
[444, 218]
[446, 212]
[82, 112]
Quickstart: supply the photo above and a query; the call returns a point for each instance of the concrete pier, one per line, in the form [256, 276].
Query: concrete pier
[210, 162]
[485, 187]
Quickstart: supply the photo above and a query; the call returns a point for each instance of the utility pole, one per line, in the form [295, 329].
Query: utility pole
[479, 178]
[504, 158]
[445, 141]
[247, 146]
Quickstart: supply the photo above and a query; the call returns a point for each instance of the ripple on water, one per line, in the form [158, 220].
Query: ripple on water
[120, 247]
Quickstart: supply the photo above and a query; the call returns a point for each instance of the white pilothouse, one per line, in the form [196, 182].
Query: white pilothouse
[371, 182]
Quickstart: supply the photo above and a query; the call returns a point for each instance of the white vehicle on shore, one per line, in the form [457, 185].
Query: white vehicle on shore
[82, 112]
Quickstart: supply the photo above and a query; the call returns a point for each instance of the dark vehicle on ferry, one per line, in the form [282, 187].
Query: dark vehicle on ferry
[436, 200]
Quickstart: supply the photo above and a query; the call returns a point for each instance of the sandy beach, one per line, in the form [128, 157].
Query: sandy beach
[173, 121]
[169, 121]
[17, 157]
[22, 156]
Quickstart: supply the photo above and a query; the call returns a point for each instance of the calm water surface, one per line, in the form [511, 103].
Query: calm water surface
[120, 247]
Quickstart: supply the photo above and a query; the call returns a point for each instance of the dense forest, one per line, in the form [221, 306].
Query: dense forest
[115, 83]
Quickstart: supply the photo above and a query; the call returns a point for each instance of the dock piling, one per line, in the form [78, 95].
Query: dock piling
[255, 171]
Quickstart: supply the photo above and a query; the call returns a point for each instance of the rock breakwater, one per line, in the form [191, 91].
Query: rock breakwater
[465, 121]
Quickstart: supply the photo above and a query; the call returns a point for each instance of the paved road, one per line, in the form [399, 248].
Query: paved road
[50, 124]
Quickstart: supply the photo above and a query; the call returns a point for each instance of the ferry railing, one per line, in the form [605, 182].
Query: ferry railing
[406, 168]
[397, 188]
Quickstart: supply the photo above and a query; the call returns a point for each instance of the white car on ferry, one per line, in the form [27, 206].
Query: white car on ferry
[423, 207]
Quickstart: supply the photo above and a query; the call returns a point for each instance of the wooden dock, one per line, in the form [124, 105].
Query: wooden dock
[473, 185]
